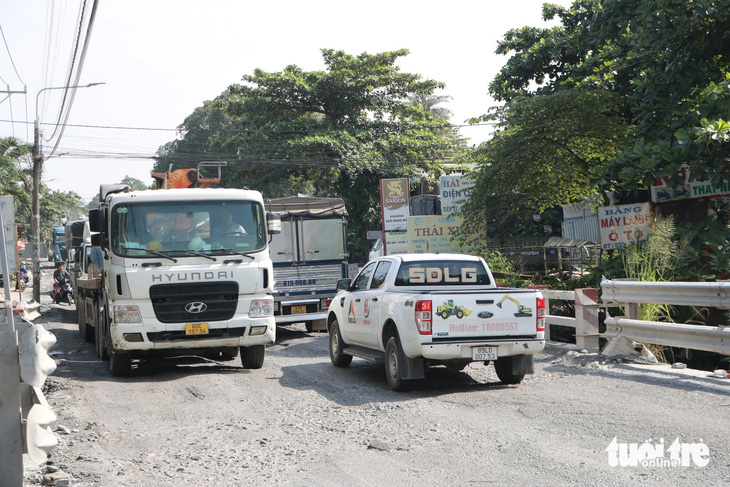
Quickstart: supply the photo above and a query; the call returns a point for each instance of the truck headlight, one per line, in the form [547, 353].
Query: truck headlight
[261, 308]
[127, 314]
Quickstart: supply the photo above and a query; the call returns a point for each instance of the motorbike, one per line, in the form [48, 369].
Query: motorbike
[65, 292]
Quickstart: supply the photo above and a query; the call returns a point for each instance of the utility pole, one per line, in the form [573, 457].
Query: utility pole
[35, 227]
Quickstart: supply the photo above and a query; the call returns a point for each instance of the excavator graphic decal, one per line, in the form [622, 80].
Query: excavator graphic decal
[521, 310]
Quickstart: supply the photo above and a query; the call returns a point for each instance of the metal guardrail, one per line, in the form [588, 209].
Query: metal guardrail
[696, 337]
[709, 294]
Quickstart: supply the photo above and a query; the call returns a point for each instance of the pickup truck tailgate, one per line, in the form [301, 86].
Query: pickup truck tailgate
[510, 313]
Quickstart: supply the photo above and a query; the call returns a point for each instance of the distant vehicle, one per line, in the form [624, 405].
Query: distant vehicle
[58, 245]
[411, 311]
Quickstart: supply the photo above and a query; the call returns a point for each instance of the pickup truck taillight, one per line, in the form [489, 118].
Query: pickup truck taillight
[423, 317]
[540, 314]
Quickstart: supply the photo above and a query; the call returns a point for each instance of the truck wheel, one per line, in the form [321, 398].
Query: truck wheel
[393, 356]
[309, 326]
[503, 366]
[120, 364]
[338, 358]
[100, 333]
[253, 357]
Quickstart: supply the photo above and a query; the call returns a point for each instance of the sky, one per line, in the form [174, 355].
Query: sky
[161, 59]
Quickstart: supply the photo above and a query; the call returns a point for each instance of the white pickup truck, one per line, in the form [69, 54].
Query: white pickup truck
[411, 311]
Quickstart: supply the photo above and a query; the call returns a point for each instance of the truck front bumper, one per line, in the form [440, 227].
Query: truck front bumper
[463, 350]
[237, 333]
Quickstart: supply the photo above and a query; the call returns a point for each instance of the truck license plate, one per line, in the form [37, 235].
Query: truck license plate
[196, 329]
[298, 310]
[481, 354]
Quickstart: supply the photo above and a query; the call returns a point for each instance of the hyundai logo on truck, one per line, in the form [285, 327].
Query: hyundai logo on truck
[196, 307]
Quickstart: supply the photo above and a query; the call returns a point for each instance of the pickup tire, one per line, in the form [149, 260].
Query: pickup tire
[393, 357]
[253, 357]
[337, 356]
[120, 364]
[503, 366]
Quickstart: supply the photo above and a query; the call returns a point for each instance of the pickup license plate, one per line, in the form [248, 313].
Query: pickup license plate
[196, 329]
[298, 310]
[480, 354]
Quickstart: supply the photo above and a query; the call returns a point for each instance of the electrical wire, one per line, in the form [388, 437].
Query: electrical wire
[63, 108]
[82, 59]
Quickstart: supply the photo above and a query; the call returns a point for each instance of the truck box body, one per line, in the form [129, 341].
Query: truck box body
[309, 257]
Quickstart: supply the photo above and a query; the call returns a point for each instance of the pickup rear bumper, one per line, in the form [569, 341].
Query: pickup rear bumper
[463, 350]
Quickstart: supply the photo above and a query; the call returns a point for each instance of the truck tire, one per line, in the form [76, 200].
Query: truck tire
[100, 333]
[393, 357]
[503, 366]
[120, 364]
[338, 358]
[309, 326]
[253, 357]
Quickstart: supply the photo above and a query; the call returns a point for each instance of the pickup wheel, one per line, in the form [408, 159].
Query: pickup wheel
[503, 366]
[338, 358]
[253, 357]
[120, 364]
[393, 356]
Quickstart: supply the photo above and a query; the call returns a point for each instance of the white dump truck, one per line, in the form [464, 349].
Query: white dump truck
[185, 272]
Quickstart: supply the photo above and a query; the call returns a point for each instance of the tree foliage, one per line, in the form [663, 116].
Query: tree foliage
[334, 132]
[667, 61]
[540, 157]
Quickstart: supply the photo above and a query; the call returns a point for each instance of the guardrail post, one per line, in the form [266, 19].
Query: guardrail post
[586, 316]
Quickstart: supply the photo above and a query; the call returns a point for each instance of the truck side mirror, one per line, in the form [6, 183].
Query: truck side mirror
[273, 222]
[99, 240]
[343, 284]
[96, 220]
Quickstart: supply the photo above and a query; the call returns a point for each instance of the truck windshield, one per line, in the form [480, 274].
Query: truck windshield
[179, 227]
[442, 273]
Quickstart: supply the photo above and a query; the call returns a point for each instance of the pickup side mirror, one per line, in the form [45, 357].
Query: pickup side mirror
[343, 284]
[273, 223]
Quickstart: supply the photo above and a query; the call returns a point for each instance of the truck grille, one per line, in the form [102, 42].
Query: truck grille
[169, 301]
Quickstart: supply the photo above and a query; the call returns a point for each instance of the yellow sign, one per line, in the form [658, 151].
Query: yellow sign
[436, 233]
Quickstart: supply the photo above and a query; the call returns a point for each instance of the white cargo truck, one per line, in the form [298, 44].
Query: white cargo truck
[309, 256]
[186, 272]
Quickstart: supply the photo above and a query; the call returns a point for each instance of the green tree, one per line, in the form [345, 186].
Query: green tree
[134, 183]
[666, 61]
[540, 157]
[336, 132]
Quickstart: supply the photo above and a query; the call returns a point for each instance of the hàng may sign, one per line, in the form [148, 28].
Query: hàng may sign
[623, 225]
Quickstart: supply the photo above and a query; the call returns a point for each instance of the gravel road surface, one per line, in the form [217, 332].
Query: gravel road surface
[299, 421]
